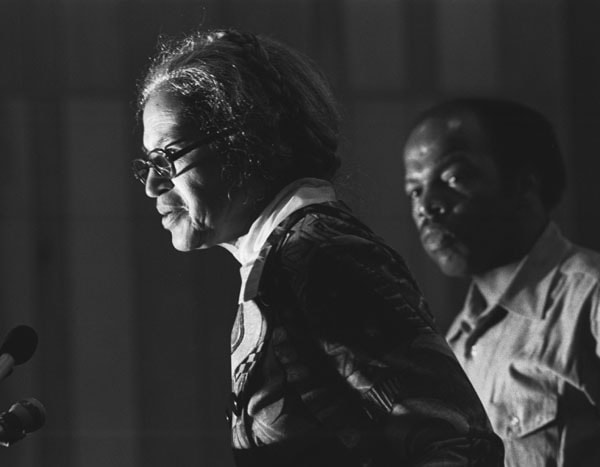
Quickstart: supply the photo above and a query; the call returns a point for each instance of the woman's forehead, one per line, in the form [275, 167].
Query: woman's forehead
[162, 119]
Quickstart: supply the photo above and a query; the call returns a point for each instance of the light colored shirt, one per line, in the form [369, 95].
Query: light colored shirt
[528, 337]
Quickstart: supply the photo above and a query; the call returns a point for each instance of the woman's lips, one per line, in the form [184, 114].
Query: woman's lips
[170, 217]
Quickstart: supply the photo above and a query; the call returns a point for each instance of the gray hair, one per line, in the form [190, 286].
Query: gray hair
[276, 108]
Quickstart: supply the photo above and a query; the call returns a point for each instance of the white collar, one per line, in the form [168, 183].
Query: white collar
[493, 284]
[294, 196]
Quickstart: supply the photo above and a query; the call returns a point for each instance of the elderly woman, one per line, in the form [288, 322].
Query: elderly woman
[334, 356]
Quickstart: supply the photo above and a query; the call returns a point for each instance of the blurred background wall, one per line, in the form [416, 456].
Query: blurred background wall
[132, 364]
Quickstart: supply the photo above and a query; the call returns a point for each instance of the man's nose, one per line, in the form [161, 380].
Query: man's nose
[432, 205]
[157, 184]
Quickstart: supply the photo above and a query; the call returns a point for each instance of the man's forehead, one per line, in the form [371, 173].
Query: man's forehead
[453, 127]
[454, 123]
[442, 138]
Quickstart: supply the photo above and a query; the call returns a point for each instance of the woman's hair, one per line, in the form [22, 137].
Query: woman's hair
[274, 107]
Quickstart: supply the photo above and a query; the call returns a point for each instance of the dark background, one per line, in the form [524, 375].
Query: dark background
[133, 358]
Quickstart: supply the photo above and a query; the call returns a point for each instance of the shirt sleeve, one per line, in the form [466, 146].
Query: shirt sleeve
[365, 312]
[595, 317]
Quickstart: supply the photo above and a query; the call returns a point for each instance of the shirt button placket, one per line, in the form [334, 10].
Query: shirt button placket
[514, 423]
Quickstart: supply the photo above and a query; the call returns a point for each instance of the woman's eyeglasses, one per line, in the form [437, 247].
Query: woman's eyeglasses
[163, 160]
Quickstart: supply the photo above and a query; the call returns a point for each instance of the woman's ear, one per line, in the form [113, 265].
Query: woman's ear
[255, 192]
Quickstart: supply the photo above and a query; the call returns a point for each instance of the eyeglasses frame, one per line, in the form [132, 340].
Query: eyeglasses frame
[171, 157]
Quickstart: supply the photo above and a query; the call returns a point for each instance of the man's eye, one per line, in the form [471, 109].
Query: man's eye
[455, 180]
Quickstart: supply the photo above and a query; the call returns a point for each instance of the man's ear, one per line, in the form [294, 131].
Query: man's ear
[528, 183]
[529, 190]
[533, 183]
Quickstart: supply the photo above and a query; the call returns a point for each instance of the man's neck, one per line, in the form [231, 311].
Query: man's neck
[493, 281]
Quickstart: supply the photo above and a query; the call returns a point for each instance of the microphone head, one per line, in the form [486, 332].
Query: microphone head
[20, 342]
[31, 414]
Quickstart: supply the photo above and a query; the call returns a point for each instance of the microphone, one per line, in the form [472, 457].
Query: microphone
[18, 347]
[23, 417]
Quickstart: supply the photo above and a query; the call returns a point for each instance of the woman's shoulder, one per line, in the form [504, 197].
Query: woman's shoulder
[324, 225]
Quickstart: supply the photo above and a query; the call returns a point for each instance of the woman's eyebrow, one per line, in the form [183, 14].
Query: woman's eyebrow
[161, 145]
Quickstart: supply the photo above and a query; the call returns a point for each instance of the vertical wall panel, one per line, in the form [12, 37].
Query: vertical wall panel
[285, 20]
[92, 47]
[17, 242]
[46, 124]
[18, 302]
[532, 69]
[422, 55]
[103, 351]
[583, 65]
[374, 41]
[378, 146]
[467, 45]
[13, 27]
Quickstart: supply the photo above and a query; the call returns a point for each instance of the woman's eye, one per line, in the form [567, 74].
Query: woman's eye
[414, 193]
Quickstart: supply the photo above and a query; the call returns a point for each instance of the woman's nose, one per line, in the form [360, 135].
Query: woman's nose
[157, 184]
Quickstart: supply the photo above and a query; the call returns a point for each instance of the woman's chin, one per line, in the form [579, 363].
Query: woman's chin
[188, 241]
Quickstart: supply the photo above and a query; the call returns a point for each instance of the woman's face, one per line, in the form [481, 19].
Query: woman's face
[196, 206]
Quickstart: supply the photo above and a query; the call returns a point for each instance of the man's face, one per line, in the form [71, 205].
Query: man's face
[465, 217]
[196, 206]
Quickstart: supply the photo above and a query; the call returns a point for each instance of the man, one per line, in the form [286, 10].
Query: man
[483, 176]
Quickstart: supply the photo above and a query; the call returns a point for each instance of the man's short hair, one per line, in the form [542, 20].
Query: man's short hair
[521, 140]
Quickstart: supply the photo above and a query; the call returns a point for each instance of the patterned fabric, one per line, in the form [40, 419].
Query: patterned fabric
[346, 368]
[533, 355]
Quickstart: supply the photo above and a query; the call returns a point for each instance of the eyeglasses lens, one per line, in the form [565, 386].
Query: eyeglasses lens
[140, 169]
[161, 165]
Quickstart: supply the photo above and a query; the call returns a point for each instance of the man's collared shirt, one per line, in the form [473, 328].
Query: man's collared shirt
[532, 351]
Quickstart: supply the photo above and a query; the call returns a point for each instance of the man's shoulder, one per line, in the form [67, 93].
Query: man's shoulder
[581, 263]
[577, 281]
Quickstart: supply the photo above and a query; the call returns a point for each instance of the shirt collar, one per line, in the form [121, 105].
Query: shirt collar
[294, 196]
[522, 287]
[493, 284]
[528, 291]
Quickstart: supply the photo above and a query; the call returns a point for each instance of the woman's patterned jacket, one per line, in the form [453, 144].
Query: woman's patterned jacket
[336, 360]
